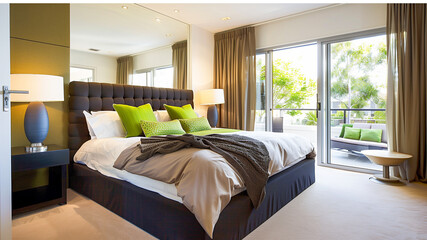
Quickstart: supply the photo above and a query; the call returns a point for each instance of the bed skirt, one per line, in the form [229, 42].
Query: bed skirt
[168, 219]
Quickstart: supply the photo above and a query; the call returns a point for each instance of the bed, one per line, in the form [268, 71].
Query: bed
[158, 215]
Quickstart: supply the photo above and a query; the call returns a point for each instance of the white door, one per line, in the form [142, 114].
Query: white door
[5, 169]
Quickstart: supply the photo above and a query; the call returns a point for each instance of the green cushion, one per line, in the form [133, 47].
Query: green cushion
[152, 128]
[131, 117]
[343, 129]
[352, 133]
[372, 135]
[195, 124]
[183, 112]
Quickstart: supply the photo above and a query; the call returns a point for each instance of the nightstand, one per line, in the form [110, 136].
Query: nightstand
[56, 158]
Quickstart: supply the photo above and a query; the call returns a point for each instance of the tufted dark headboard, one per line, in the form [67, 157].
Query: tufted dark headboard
[101, 96]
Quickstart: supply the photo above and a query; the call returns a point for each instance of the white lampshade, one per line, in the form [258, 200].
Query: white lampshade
[42, 88]
[211, 96]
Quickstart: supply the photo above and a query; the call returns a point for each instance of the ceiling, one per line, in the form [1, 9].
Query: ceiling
[118, 32]
[209, 16]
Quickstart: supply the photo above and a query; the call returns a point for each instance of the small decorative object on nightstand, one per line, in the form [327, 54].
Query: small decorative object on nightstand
[42, 88]
[386, 159]
[212, 97]
[56, 159]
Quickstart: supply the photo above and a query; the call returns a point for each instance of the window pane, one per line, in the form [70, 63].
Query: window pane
[260, 117]
[358, 75]
[140, 79]
[294, 91]
[294, 78]
[163, 77]
[81, 74]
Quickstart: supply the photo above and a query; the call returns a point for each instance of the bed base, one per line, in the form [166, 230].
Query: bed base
[168, 219]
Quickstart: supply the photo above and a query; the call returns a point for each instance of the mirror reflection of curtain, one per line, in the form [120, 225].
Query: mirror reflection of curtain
[234, 71]
[124, 70]
[179, 63]
[407, 87]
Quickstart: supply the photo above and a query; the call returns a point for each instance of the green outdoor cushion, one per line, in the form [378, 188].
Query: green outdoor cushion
[131, 117]
[372, 135]
[195, 124]
[152, 128]
[352, 133]
[343, 129]
[183, 112]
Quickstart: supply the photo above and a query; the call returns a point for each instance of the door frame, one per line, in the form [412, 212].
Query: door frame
[5, 142]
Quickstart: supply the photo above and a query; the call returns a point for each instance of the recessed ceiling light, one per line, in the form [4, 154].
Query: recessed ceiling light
[176, 11]
[124, 7]
[226, 18]
[158, 20]
[94, 49]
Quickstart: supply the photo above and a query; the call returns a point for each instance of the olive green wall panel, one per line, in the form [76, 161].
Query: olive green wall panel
[45, 23]
[39, 58]
[40, 44]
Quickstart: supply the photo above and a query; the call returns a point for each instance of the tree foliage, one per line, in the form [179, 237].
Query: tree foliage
[351, 73]
[291, 88]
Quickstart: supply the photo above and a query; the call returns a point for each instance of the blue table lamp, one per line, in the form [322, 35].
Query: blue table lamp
[42, 88]
[212, 97]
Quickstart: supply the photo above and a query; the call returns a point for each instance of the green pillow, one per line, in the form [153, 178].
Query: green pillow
[183, 112]
[343, 129]
[195, 124]
[152, 128]
[131, 117]
[372, 135]
[352, 133]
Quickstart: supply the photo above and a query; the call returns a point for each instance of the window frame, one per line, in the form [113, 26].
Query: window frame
[152, 71]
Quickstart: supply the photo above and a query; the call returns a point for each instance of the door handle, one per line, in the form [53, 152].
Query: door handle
[6, 96]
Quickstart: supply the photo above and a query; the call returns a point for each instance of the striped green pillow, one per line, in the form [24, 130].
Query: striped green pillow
[151, 128]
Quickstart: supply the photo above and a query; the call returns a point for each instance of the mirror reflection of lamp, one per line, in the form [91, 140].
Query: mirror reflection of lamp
[212, 97]
[42, 88]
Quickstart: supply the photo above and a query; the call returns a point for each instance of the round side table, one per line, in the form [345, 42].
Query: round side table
[386, 159]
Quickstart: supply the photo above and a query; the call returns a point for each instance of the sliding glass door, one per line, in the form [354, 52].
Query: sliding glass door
[333, 92]
[287, 91]
[355, 74]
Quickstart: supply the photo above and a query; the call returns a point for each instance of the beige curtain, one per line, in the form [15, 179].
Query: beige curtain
[234, 71]
[179, 63]
[406, 94]
[124, 70]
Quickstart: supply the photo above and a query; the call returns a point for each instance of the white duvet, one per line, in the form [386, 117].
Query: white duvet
[284, 149]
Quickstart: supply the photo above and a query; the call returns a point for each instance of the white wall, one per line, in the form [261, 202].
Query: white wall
[105, 66]
[332, 21]
[158, 57]
[201, 58]
[5, 169]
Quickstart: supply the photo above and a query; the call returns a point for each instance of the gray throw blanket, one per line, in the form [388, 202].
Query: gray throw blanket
[249, 157]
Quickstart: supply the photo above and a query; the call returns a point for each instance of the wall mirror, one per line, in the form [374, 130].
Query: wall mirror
[128, 44]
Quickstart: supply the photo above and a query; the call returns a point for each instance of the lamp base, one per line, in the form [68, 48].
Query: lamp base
[212, 115]
[36, 147]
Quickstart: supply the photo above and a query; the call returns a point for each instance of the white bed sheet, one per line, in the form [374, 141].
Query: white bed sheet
[100, 155]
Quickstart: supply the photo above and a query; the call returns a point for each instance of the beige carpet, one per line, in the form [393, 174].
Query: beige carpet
[340, 205]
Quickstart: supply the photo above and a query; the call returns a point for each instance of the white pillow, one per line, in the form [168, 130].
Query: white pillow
[105, 124]
[163, 116]
[91, 133]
